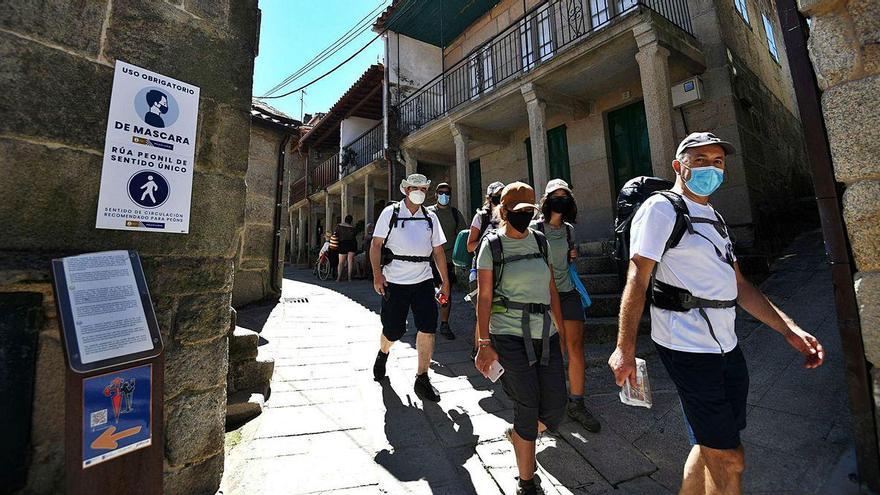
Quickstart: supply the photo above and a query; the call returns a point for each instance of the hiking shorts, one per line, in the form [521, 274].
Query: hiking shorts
[572, 308]
[538, 392]
[397, 302]
[713, 391]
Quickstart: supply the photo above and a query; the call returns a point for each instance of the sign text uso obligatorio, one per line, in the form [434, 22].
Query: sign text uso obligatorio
[157, 80]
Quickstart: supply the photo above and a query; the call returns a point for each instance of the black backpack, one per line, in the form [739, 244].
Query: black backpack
[387, 255]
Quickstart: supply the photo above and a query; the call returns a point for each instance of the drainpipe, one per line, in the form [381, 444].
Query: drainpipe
[836, 244]
[274, 285]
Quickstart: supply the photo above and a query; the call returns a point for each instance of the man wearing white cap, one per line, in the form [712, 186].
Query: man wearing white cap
[407, 235]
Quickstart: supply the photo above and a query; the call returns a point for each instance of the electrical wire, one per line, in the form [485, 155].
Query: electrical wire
[340, 43]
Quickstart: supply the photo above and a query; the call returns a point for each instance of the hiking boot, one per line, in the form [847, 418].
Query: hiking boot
[579, 412]
[379, 366]
[446, 331]
[529, 487]
[424, 390]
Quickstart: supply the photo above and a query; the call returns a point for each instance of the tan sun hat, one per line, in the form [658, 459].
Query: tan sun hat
[518, 196]
[414, 180]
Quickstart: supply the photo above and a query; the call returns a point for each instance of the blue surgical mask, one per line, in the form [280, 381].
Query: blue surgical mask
[704, 180]
[443, 199]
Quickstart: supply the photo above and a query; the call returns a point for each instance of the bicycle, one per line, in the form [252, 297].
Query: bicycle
[322, 267]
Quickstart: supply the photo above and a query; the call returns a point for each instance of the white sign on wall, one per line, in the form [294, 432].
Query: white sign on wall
[149, 152]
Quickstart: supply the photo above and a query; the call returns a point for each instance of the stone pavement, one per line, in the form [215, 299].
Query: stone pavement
[327, 426]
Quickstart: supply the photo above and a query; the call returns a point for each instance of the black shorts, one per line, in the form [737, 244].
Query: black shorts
[572, 308]
[398, 300]
[713, 391]
[346, 247]
[450, 272]
[538, 392]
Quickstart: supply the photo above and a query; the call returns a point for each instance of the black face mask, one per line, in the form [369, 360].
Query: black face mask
[560, 204]
[496, 200]
[519, 220]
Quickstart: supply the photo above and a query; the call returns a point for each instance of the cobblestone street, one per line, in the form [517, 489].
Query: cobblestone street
[327, 426]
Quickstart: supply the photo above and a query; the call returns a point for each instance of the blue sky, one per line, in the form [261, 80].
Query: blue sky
[294, 31]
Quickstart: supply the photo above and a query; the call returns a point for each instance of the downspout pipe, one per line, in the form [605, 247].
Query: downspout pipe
[837, 247]
[274, 283]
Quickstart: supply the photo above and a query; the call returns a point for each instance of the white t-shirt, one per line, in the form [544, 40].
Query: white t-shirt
[409, 238]
[477, 222]
[692, 265]
[324, 248]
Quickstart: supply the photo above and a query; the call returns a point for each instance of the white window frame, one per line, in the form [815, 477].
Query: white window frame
[742, 7]
[771, 37]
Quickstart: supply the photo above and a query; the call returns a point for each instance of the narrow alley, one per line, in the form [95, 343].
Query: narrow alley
[327, 426]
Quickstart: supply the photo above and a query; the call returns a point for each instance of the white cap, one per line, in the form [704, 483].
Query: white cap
[494, 188]
[555, 185]
[414, 180]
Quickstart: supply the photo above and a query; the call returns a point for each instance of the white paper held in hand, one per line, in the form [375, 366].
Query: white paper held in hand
[638, 394]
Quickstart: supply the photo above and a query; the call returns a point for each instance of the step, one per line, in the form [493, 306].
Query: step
[602, 283]
[603, 330]
[595, 264]
[593, 248]
[242, 407]
[252, 374]
[604, 305]
[243, 344]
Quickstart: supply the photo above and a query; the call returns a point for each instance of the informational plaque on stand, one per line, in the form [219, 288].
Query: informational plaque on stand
[105, 310]
[114, 381]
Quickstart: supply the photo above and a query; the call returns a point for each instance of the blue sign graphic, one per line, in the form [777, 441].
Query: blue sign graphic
[156, 107]
[117, 414]
[148, 189]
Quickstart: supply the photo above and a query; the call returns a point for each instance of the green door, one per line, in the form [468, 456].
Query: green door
[557, 146]
[476, 178]
[630, 148]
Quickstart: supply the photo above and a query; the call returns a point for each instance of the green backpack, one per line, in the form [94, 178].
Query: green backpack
[460, 255]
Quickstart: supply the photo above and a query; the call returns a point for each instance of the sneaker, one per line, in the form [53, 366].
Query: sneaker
[530, 487]
[446, 331]
[379, 366]
[579, 412]
[424, 390]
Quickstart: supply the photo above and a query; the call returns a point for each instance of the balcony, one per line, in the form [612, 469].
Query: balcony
[365, 149]
[298, 190]
[537, 37]
[325, 174]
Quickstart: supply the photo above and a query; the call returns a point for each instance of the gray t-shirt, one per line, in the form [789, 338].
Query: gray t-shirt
[558, 242]
[524, 281]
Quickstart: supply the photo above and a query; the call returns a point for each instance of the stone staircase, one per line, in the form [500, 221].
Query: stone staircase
[598, 272]
[249, 375]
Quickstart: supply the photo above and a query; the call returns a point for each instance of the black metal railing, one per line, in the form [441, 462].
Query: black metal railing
[298, 190]
[535, 38]
[363, 150]
[326, 173]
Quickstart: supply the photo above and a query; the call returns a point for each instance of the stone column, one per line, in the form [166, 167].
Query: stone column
[653, 62]
[369, 199]
[412, 165]
[328, 213]
[537, 109]
[302, 235]
[462, 170]
[346, 199]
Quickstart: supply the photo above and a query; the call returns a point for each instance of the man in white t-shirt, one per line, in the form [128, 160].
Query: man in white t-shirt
[694, 292]
[407, 235]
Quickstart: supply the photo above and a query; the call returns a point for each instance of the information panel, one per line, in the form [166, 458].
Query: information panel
[105, 309]
[149, 152]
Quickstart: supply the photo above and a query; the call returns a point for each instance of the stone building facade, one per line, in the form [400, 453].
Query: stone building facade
[57, 62]
[260, 260]
[844, 45]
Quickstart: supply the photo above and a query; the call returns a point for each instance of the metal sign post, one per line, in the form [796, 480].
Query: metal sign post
[114, 438]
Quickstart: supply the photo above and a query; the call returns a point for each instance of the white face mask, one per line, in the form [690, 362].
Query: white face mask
[416, 196]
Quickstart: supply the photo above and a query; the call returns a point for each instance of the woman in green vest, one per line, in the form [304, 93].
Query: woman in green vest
[558, 212]
[517, 295]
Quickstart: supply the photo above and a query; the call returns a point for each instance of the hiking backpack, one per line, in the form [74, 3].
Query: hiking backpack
[568, 232]
[387, 255]
[493, 237]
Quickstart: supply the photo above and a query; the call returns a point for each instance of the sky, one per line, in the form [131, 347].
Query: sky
[294, 31]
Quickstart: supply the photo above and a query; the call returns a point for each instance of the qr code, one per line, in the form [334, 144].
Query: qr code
[99, 418]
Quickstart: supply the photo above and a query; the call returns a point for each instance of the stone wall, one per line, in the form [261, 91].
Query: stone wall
[254, 258]
[844, 46]
[56, 61]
